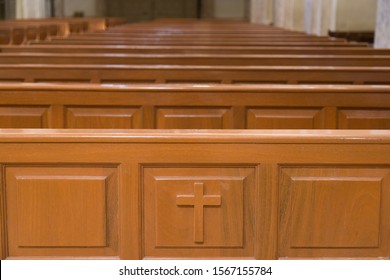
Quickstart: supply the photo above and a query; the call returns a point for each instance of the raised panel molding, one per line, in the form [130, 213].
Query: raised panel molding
[103, 117]
[23, 117]
[334, 212]
[364, 119]
[199, 212]
[194, 118]
[284, 118]
[62, 211]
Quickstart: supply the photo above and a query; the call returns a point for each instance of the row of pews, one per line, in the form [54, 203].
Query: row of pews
[18, 32]
[194, 139]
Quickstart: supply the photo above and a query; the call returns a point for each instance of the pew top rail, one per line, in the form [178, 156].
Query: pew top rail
[194, 136]
[196, 59]
[123, 74]
[147, 49]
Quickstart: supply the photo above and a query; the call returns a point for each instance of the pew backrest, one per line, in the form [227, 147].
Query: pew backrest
[74, 194]
[194, 107]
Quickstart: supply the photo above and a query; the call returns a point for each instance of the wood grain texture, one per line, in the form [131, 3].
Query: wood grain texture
[24, 116]
[274, 194]
[62, 211]
[103, 117]
[207, 209]
[332, 211]
[160, 74]
[364, 118]
[194, 106]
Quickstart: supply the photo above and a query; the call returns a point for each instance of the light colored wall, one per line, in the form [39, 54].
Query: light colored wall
[89, 7]
[30, 9]
[279, 12]
[261, 11]
[289, 14]
[319, 16]
[382, 31]
[230, 9]
[298, 15]
[356, 15]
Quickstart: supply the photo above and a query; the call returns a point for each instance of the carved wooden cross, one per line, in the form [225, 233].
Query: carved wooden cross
[198, 200]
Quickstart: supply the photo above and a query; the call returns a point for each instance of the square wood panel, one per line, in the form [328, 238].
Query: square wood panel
[103, 117]
[284, 118]
[61, 211]
[194, 118]
[334, 212]
[23, 117]
[364, 119]
[199, 212]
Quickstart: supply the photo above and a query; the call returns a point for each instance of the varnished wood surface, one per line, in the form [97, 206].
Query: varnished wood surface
[194, 193]
[194, 136]
[202, 43]
[122, 74]
[16, 32]
[277, 189]
[196, 59]
[194, 106]
[147, 49]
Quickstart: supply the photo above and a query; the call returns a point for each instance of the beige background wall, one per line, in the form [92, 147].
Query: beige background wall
[356, 15]
[230, 9]
[382, 32]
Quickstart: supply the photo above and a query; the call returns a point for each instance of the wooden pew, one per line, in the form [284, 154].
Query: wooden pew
[122, 74]
[109, 35]
[13, 36]
[129, 41]
[195, 59]
[121, 195]
[194, 107]
[42, 29]
[146, 49]
[271, 194]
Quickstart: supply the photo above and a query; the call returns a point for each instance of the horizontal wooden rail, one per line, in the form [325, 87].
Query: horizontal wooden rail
[122, 74]
[195, 59]
[146, 49]
[237, 42]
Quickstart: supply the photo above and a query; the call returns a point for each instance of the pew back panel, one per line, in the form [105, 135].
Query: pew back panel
[196, 59]
[284, 194]
[196, 107]
[147, 49]
[122, 74]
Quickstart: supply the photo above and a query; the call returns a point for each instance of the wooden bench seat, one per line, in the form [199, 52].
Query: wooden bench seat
[121, 195]
[17, 32]
[108, 35]
[129, 41]
[194, 107]
[146, 49]
[122, 74]
[195, 59]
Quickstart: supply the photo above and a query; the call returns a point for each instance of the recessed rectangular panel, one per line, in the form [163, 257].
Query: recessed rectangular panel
[102, 117]
[283, 118]
[332, 213]
[329, 212]
[364, 119]
[23, 117]
[194, 118]
[199, 212]
[62, 211]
